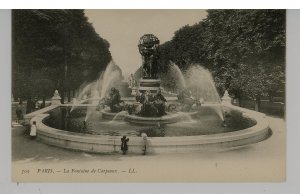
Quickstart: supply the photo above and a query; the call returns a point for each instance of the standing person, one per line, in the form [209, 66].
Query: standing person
[124, 146]
[19, 112]
[33, 130]
[144, 143]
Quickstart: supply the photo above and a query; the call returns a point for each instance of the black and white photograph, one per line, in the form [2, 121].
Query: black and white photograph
[148, 95]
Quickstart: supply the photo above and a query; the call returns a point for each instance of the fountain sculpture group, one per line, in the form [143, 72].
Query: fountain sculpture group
[150, 103]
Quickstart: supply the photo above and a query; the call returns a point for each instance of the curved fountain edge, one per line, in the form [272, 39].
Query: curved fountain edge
[108, 144]
[166, 119]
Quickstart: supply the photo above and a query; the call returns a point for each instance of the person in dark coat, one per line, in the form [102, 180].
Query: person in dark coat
[124, 146]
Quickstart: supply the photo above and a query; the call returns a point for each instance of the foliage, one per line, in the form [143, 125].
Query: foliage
[244, 50]
[54, 49]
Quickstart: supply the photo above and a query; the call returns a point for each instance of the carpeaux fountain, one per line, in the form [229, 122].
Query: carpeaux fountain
[193, 119]
[149, 107]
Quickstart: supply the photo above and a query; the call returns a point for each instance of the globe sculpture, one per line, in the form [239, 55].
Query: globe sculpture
[148, 49]
[148, 45]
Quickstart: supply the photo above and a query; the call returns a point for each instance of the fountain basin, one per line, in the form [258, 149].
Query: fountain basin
[107, 144]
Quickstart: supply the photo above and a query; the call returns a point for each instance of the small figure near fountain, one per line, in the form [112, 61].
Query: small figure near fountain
[33, 130]
[84, 125]
[144, 143]
[124, 146]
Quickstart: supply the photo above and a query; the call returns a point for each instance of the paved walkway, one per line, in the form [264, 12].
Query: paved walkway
[264, 161]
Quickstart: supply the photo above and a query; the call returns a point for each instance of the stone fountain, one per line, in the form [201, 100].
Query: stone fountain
[177, 125]
[149, 107]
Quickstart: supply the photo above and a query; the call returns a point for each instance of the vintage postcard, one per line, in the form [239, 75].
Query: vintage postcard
[148, 96]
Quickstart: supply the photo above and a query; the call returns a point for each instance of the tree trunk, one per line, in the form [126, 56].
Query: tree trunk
[63, 118]
[238, 100]
[69, 96]
[62, 97]
[270, 98]
[257, 103]
[44, 102]
[29, 105]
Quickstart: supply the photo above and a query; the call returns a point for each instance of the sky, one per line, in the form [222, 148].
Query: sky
[123, 29]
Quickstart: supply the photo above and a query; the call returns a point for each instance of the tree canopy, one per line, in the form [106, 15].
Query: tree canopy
[54, 49]
[244, 50]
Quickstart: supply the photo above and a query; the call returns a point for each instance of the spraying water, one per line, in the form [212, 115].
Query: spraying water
[201, 83]
[83, 90]
[119, 116]
[177, 73]
[91, 109]
[110, 77]
[86, 89]
[186, 118]
[218, 109]
[98, 89]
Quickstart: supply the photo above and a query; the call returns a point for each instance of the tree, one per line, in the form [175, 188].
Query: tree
[244, 50]
[43, 88]
[59, 46]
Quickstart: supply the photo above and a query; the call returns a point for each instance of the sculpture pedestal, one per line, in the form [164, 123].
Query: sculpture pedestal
[133, 91]
[153, 85]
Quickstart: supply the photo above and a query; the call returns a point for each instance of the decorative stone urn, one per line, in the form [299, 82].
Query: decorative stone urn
[55, 100]
[226, 99]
